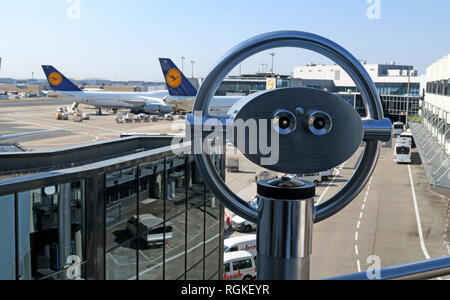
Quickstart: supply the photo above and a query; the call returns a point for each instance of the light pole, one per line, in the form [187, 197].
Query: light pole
[273, 55]
[193, 63]
[182, 63]
[407, 98]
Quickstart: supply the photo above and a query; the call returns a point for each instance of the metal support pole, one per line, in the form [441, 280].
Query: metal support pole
[284, 238]
[65, 226]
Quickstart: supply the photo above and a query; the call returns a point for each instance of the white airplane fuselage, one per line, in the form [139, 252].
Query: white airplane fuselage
[130, 100]
[220, 105]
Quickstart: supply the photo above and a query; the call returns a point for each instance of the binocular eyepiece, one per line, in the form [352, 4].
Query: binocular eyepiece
[318, 123]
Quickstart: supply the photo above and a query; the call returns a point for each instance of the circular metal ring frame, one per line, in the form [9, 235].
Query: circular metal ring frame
[296, 39]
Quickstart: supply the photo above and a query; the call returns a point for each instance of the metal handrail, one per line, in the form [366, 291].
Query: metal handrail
[423, 270]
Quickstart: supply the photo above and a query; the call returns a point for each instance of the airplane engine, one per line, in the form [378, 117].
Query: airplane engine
[154, 109]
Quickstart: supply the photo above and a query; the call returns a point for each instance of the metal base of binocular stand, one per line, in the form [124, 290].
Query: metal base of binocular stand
[284, 239]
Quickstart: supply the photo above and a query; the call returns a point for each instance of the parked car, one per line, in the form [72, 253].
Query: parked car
[151, 229]
[242, 225]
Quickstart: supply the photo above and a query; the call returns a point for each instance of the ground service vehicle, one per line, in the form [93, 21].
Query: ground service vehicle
[239, 266]
[314, 177]
[233, 164]
[408, 134]
[77, 117]
[403, 150]
[398, 128]
[241, 243]
[326, 175]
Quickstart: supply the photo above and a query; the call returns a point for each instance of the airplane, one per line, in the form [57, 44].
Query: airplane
[12, 136]
[182, 93]
[146, 102]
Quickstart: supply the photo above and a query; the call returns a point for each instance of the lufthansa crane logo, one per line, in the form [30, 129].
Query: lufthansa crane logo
[55, 78]
[173, 78]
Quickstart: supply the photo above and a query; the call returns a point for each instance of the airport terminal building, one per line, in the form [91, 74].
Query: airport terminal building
[431, 128]
[399, 86]
[128, 209]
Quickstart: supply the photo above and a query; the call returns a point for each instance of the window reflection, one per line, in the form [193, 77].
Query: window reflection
[196, 273]
[176, 216]
[7, 257]
[50, 229]
[152, 229]
[212, 265]
[121, 240]
[160, 222]
[195, 220]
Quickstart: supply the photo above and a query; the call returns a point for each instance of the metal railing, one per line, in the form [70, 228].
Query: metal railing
[423, 270]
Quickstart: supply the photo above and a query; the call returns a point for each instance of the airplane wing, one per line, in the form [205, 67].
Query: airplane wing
[12, 136]
[152, 99]
[137, 103]
[142, 100]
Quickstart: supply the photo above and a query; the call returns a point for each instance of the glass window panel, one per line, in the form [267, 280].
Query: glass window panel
[196, 273]
[121, 206]
[121, 229]
[152, 225]
[121, 262]
[212, 229]
[241, 265]
[195, 219]
[176, 216]
[7, 234]
[50, 229]
[212, 265]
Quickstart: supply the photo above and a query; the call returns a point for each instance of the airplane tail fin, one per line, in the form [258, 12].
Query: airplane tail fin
[57, 81]
[177, 83]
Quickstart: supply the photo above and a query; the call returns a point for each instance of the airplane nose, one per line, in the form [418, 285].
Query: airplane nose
[168, 100]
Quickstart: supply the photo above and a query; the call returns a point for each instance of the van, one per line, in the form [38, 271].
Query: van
[151, 229]
[241, 243]
[326, 175]
[239, 265]
[315, 177]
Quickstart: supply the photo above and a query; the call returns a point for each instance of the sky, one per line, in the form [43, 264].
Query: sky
[122, 40]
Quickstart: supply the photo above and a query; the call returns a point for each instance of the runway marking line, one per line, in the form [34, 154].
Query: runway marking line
[418, 220]
[328, 187]
[358, 226]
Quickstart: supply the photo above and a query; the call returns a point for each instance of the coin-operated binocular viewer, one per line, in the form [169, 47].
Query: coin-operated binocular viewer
[312, 130]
